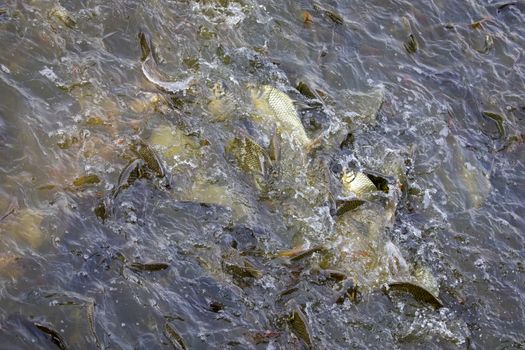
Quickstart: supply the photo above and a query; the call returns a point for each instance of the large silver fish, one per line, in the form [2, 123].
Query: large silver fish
[280, 107]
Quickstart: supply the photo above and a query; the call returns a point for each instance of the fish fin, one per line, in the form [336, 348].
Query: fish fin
[274, 149]
[146, 45]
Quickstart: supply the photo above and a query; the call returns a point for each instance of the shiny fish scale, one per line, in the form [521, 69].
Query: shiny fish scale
[357, 183]
[284, 110]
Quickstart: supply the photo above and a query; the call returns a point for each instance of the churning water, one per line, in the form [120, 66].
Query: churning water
[134, 217]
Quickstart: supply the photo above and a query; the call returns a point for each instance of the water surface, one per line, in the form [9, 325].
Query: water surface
[74, 100]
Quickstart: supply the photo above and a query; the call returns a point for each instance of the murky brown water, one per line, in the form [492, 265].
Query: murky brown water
[100, 249]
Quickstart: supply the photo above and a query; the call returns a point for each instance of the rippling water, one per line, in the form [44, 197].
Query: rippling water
[428, 94]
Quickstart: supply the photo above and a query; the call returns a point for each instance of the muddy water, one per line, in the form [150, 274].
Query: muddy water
[95, 253]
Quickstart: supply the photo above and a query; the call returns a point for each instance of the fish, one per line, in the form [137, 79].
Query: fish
[280, 107]
[363, 106]
[299, 326]
[90, 312]
[86, 180]
[300, 252]
[174, 337]
[334, 274]
[222, 104]
[151, 266]
[418, 292]
[129, 174]
[250, 156]
[357, 183]
[150, 157]
[498, 119]
[12, 207]
[344, 206]
[56, 338]
[246, 270]
[333, 16]
[410, 44]
[150, 69]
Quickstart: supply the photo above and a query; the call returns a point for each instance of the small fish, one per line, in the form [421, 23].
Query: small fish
[248, 270]
[13, 206]
[249, 155]
[56, 338]
[357, 183]
[498, 119]
[129, 174]
[174, 337]
[299, 253]
[90, 311]
[150, 71]
[332, 15]
[283, 111]
[335, 275]
[418, 292]
[410, 44]
[150, 157]
[151, 266]
[86, 180]
[299, 326]
[307, 18]
[305, 90]
[505, 4]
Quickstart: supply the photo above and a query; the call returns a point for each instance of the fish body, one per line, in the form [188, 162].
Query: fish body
[250, 155]
[281, 108]
[299, 326]
[419, 292]
[150, 71]
[357, 183]
[145, 152]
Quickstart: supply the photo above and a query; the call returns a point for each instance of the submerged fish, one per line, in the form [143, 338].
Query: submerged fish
[86, 180]
[300, 252]
[150, 157]
[280, 107]
[174, 337]
[55, 337]
[249, 155]
[150, 266]
[11, 208]
[150, 71]
[90, 311]
[299, 326]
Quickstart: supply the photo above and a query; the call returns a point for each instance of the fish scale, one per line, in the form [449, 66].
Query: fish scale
[284, 111]
[357, 183]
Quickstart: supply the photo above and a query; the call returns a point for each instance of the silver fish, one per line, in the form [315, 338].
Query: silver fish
[281, 107]
[357, 183]
[149, 69]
